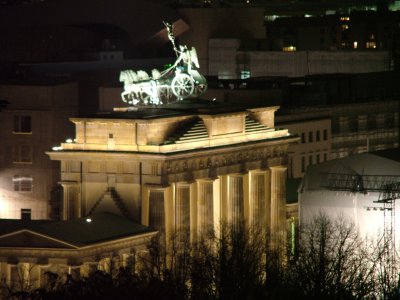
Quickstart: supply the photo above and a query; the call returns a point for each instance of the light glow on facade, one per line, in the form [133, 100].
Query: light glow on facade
[289, 49]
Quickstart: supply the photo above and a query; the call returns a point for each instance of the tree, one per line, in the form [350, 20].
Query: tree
[333, 262]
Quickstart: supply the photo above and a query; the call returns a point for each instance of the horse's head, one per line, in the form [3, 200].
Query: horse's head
[122, 76]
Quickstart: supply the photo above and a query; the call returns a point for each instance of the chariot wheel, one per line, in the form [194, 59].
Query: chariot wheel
[182, 86]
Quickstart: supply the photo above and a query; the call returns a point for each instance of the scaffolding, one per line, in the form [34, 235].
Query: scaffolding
[388, 187]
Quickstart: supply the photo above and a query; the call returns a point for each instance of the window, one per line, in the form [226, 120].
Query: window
[318, 161]
[310, 137]
[353, 124]
[335, 125]
[22, 124]
[245, 74]
[371, 122]
[289, 49]
[23, 183]
[303, 164]
[310, 160]
[370, 45]
[22, 154]
[26, 213]
[325, 157]
[318, 137]
[389, 121]
[303, 138]
[325, 134]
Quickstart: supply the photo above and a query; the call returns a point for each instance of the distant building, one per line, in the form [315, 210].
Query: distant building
[313, 126]
[294, 46]
[229, 59]
[358, 30]
[364, 127]
[220, 22]
[35, 120]
[364, 108]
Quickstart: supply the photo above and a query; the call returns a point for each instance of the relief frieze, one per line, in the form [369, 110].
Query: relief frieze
[273, 155]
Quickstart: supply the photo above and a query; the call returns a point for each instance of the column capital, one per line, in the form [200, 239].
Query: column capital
[206, 180]
[66, 183]
[152, 186]
[278, 168]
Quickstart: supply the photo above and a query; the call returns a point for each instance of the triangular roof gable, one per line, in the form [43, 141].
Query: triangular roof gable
[29, 239]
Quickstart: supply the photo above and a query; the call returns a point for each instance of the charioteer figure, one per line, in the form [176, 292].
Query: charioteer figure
[178, 82]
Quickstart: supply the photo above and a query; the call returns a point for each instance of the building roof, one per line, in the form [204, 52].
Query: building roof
[392, 154]
[74, 233]
[184, 107]
[371, 170]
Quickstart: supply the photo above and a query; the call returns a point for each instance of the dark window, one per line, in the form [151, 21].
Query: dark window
[325, 157]
[353, 125]
[310, 160]
[317, 159]
[389, 121]
[303, 138]
[303, 164]
[371, 122]
[22, 124]
[22, 154]
[310, 137]
[335, 125]
[317, 137]
[110, 135]
[26, 213]
[325, 134]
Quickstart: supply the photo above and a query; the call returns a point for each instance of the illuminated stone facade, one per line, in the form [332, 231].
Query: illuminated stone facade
[76, 247]
[178, 171]
[35, 120]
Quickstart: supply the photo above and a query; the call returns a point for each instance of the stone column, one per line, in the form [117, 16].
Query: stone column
[258, 199]
[193, 210]
[182, 212]
[205, 207]
[235, 201]
[71, 200]
[223, 187]
[217, 213]
[278, 205]
[156, 212]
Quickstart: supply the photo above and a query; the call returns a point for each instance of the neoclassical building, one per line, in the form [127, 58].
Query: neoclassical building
[31, 248]
[180, 169]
